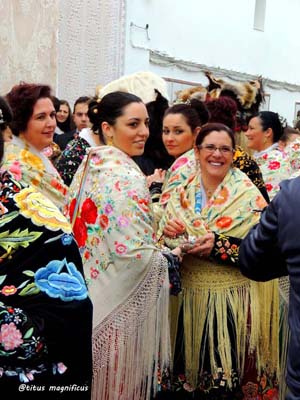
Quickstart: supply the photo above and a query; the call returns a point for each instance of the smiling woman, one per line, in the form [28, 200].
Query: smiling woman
[43, 294]
[33, 127]
[212, 211]
[127, 274]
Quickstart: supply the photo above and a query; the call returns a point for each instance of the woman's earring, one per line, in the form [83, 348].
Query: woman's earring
[109, 141]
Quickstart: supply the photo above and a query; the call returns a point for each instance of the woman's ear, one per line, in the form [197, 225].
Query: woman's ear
[269, 134]
[196, 131]
[107, 131]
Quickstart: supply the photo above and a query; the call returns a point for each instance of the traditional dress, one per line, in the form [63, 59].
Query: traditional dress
[45, 311]
[127, 275]
[227, 319]
[73, 155]
[275, 167]
[29, 166]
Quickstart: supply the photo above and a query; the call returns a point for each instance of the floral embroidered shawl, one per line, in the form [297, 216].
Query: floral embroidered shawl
[126, 273]
[33, 168]
[230, 211]
[275, 167]
[211, 290]
[45, 311]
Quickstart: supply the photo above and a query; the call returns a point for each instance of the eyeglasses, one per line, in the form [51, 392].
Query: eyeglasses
[211, 148]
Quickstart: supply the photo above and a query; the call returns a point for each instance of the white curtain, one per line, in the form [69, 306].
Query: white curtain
[72, 45]
[28, 38]
[91, 39]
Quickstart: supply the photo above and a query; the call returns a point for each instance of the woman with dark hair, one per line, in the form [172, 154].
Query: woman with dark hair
[264, 131]
[127, 275]
[33, 127]
[64, 118]
[45, 311]
[222, 110]
[219, 353]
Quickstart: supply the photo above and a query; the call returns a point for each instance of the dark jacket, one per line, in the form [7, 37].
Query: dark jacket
[272, 249]
[63, 139]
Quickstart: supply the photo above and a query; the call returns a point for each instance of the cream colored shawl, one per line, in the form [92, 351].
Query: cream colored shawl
[126, 274]
[215, 296]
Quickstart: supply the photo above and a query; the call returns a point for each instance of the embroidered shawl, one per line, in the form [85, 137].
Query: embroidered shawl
[216, 296]
[33, 168]
[275, 167]
[126, 273]
[45, 311]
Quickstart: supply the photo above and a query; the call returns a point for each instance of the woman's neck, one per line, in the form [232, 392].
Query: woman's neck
[209, 185]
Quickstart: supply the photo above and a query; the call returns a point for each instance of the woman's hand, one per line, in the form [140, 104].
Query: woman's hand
[177, 252]
[158, 176]
[174, 227]
[203, 246]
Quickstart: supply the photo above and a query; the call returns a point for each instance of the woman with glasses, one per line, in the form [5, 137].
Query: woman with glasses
[181, 124]
[226, 325]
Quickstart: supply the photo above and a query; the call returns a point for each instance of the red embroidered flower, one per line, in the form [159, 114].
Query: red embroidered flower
[143, 204]
[269, 187]
[120, 248]
[89, 211]
[94, 273]
[274, 165]
[224, 256]
[80, 232]
[103, 221]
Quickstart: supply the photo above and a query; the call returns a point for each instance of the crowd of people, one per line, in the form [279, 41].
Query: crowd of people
[144, 245]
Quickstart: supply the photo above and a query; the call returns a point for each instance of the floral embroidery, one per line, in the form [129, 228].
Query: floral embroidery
[10, 336]
[41, 211]
[225, 250]
[55, 282]
[224, 222]
[31, 159]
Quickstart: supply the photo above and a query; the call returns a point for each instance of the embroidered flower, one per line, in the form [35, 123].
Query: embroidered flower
[120, 248]
[164, 198]
[222, 196]
[89, 211]
[179, 163]
[60, 279]
[274, 165]
[123, 222]
[30, 159]
[143, 204]
[223, 222]
[9, 290]
[183, 199]
[41, 211]
[10, 336]
[80, 232]
[15, 169]
[103, 221]
[260, 202]
[269, 187]
[66, 239]
[108, 209]
[94, 273]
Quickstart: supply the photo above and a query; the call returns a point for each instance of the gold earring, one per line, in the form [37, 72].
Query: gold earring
[109, 141]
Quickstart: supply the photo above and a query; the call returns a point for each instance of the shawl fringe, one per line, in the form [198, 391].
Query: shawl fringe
[133, 342]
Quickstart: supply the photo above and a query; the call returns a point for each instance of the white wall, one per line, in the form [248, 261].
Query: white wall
[218, 33]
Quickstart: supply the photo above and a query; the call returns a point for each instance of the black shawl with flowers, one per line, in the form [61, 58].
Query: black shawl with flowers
[45, 311]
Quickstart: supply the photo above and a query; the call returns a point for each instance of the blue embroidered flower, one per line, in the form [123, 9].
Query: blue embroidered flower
[66, 239]
[67, 286]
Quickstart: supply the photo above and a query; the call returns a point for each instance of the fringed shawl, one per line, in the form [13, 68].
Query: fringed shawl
[213, 294]
[127, 275]
[33, 168]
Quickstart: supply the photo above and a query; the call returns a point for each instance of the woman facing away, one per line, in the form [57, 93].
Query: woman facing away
[226, 325]
[76, 149]
[45, 310]
[33, 127]
[264, 132]
[127, 274]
